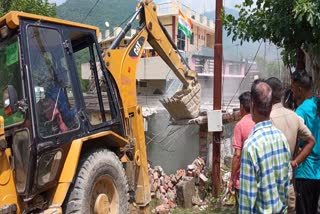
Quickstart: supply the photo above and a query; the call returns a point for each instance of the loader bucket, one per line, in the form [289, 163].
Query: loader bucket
[184, 104]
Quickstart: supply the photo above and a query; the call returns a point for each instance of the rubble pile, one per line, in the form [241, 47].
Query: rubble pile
[164, 187]
[196, 169]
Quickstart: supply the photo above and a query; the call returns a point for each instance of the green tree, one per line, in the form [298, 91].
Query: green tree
[40, 7]
[292, 25]
[4, 6]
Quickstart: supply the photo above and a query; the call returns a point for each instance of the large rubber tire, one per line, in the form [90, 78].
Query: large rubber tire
[99, 172]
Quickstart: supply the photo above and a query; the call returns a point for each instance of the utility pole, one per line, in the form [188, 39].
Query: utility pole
[217, 99]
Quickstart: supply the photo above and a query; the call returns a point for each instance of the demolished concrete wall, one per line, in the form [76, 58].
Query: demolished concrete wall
[171, 146]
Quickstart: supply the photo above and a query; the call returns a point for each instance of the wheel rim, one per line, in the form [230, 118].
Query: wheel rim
[105, 197]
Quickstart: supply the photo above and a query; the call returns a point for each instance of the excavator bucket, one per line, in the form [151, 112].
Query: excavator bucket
[184, 104]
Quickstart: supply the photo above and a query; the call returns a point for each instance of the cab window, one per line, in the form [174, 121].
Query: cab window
[53, 92]
[10, 74]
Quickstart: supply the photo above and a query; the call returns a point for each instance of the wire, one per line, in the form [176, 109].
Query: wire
[254, 58]
[90, 11]
[223, 75]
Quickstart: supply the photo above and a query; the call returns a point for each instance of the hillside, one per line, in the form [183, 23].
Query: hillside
[113, 11]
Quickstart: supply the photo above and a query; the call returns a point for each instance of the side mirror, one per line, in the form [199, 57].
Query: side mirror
[10, 99]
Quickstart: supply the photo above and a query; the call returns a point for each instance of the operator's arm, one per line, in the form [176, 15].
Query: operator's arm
[248, 183]
[309, 141]
[237, 145]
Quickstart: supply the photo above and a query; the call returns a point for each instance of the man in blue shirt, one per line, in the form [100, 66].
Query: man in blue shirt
[307, 173]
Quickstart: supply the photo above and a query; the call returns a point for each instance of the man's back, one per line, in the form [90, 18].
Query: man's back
[241, 133]
[310, 167]
[290, 124]
[264, 176]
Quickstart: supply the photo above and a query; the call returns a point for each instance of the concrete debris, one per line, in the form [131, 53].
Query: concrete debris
[196, 167]
[197, 201]
[203, 177]
[191, 167]
[185, 192]
[199, 120]
[226, 177]
[177, 188]
[164, 208]
[147, 112]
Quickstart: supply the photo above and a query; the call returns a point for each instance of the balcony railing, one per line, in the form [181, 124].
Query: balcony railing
[171, 7]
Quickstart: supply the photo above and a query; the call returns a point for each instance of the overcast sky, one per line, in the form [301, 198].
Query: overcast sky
[198, 5]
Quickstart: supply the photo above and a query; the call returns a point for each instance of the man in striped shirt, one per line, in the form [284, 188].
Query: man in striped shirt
[265, 159]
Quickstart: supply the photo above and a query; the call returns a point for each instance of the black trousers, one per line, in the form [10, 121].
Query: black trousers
[307, 195]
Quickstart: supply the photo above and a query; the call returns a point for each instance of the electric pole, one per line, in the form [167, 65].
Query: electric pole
[217, 79]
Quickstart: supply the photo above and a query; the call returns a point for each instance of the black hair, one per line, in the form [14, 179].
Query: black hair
[277, 89]
[288, 100]
[303, 79]
[261, 96]
[244, 99]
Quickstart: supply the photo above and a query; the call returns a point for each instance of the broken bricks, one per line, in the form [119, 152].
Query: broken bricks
[178, 187]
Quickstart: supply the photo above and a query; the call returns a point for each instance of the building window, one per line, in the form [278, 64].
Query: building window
[181, 40]
[192, 40]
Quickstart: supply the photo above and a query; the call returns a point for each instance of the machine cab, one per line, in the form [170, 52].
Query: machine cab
[45, 102]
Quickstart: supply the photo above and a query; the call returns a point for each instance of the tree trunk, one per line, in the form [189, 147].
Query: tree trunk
[300, 56]
[312, 63]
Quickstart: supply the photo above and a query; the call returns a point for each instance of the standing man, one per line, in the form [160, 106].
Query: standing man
[292, 127]
[241, 133]
[265, 159]
[307, 173]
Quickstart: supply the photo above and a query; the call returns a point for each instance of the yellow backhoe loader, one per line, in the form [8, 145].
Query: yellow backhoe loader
[56, 154]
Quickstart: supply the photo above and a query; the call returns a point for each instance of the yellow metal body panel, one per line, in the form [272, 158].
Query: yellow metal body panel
[68, 172]
[143, 195]
[71, 163]
[124, 68]
[8, 193]
[12, 20]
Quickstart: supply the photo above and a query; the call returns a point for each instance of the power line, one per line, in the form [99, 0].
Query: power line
[90, 11]
[254, 58]
[114, 29]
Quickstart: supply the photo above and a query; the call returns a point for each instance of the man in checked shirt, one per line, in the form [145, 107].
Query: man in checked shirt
[265, 159]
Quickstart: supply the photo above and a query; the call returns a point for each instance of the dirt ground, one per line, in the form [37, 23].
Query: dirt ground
[209, 210]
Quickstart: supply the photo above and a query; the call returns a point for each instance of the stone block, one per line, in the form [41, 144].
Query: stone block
[185, 190]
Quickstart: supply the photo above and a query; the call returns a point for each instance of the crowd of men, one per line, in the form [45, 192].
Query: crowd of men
[276, 163]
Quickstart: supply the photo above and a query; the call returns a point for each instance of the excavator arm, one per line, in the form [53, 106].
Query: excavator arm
[185, 103]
